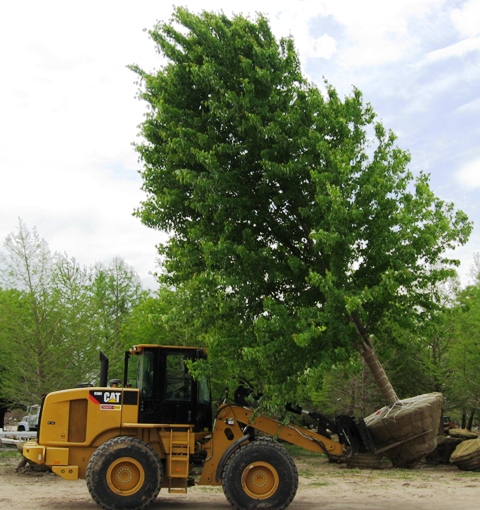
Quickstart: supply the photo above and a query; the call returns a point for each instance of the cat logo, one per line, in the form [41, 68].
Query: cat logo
[108, 400]
[112, 397]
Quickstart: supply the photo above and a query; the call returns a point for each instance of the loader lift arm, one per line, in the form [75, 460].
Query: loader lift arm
[235, 425]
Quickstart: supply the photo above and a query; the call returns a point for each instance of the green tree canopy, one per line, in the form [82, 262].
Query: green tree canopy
[464, 352]
[116, 291]
[293, 216]
[39, 340]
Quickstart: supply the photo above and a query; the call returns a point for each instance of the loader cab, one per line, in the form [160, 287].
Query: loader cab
[168, 393]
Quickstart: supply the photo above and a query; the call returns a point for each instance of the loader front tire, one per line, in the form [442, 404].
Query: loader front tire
[260, 474]
[124, 473]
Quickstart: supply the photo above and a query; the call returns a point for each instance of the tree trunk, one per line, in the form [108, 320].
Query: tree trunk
[353, 390]
[470, 420]
[4, 407]
[383, 382]
[363, 402]
[373, 363]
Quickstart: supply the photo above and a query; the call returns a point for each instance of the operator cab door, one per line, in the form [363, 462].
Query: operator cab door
[168, 393]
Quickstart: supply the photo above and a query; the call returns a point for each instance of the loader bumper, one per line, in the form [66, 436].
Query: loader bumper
[67, 472]
[34, 452]
[55, 458]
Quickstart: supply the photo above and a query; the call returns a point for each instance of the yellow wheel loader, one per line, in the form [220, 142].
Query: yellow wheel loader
[155, 430]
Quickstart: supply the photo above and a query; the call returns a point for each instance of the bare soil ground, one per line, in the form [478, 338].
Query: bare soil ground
[323, 486]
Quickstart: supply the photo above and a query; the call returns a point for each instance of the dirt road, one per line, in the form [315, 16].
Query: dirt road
[322, 486]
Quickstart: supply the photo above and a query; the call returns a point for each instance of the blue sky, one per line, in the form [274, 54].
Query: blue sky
[68, 113]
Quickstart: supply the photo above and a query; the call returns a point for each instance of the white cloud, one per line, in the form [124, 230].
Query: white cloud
[324, 47]
[472, 107]
[378, 30]
[459, 49]
[467, 18]
[469, 175]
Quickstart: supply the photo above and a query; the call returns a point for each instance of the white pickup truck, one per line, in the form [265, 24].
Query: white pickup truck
[29, 422]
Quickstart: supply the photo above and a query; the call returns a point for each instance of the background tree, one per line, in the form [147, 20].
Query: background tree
[345, 389]
[464, 352]
[56, 315]
[11, 313]
[293, 215]
[417, 356]
[116, 291]
[35, 362]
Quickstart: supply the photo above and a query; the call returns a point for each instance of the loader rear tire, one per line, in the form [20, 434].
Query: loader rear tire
[260, 474]
[124, 473]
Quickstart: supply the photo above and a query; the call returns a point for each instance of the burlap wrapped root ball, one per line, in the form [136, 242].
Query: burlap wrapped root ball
[467, 455]
[414, 422]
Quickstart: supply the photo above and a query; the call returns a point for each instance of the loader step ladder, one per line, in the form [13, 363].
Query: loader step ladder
[179, 459]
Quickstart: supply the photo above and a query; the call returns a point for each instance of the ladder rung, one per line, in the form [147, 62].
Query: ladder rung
[179, 458]
[179, 489]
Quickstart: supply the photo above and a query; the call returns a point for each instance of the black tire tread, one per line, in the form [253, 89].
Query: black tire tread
[269, 451]
[97, 463]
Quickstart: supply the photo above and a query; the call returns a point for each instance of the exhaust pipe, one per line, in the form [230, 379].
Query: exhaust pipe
[103, 370]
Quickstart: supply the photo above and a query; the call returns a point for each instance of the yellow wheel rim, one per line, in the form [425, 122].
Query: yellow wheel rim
[260, 480]
[125, 476]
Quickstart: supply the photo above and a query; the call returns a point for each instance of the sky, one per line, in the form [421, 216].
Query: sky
[69, 114]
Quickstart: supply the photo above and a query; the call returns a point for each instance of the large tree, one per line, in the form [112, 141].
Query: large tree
[293, 216]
